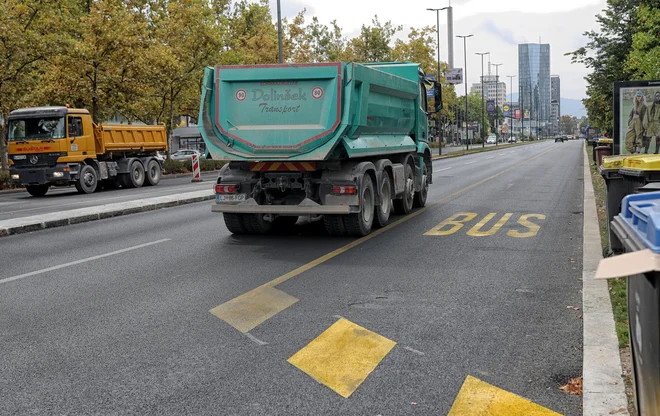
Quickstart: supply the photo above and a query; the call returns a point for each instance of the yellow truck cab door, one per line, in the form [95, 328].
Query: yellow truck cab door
[79, 135]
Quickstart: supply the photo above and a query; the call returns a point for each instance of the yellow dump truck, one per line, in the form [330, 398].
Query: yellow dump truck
[60, 146]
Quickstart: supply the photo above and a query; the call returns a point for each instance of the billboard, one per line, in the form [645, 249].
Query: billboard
[506, 110]
[429, 88]
[517, 113]
[490, 106]
[455, 76]
[636, 117]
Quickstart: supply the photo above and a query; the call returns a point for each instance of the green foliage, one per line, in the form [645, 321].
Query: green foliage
[4, 179]
[568, 124]
[185, 166]
[644, 59]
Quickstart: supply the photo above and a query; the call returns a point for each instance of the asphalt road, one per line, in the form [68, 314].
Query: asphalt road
[113, 316]
[22, 204]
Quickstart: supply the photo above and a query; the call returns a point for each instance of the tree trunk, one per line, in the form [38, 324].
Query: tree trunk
[3, 142]
[171, 127]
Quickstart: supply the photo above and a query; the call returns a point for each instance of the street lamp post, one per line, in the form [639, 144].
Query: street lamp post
[465, 79]
[279, 31]
[497, 99]
[437, 116]
[483, 143]
[511, 77]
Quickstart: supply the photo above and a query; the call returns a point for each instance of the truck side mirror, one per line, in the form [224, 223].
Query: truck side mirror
[437, 96]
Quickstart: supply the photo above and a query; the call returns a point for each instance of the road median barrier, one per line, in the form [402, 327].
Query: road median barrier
[483, 149]
[80, 215]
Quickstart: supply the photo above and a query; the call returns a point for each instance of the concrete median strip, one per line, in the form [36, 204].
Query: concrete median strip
[76, 216]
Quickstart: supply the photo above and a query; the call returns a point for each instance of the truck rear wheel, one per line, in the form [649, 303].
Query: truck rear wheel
[153, 173]
[420, 197]
[234, 223]
[37, 190]
[87, 180]
[256, 224]
[384, 210]
[404, 205]
[360, 224]
[135, 177]
[334, 225]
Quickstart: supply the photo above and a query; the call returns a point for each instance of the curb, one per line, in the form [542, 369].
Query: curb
[603, 388]
[77, 216]
[185, 175]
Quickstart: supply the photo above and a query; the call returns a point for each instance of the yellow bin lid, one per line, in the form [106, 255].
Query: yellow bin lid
[606, 141]
[642, 162]
[614, 162]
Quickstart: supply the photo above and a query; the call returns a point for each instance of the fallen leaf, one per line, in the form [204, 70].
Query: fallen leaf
[613, 382]
[578, 316]
[414, 403]
[572, 260]
[574, 386]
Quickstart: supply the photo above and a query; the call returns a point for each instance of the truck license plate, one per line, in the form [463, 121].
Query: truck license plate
[230, 198]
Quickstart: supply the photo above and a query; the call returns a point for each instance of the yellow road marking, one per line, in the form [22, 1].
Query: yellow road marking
[342, 356]
[476, 230]
[254, 307]
[362, 240]
[478, 398]
[456, 222]
[524, 221]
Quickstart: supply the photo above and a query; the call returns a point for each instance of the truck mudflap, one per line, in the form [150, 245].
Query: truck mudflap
[306, 207]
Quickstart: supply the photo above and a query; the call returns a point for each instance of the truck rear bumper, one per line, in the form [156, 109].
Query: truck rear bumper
[306, 207]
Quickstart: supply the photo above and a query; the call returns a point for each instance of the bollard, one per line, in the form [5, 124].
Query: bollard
[195, 167]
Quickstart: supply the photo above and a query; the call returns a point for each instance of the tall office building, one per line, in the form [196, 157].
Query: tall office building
[493, 90]
[555, 103]
[534, 85]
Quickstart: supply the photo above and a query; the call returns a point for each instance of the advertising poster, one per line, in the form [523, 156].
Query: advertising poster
[506, 110]
[429, 88]
[517, 114]
[636, 117]
[455, 76]
[490, 106]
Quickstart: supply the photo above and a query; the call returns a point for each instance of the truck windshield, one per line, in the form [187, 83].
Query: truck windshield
[36, 128]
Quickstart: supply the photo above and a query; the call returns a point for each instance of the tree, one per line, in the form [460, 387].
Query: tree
[475, 112]
[568, 124]
[313, 42]
[28, 36]
[606, 55]
[644, 59]
[373, 43]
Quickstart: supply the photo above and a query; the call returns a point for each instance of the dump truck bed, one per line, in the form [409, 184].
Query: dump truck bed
[128, 137]
[306, 111]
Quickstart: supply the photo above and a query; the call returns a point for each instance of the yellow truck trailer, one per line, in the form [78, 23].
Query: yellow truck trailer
[60, 146]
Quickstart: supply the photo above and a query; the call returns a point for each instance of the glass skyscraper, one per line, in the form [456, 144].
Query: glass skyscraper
[534, 83]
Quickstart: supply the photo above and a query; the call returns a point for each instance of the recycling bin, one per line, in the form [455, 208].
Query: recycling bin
[638, 228]
[615, 191]
[602, 151]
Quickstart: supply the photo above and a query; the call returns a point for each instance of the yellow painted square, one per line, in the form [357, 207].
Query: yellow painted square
[342, 356]
[249, 310]
[478, 398]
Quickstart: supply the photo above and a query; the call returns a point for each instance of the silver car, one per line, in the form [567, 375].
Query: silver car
[185, 154]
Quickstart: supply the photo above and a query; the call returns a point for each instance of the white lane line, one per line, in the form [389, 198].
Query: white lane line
[490, 157]
[468, 163]
[413, 350]
[88, 259]
[440, 170]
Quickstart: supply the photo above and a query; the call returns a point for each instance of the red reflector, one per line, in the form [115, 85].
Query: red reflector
[226, 189]
[344, 190]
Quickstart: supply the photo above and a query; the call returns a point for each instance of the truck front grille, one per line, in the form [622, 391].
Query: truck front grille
[37, 160]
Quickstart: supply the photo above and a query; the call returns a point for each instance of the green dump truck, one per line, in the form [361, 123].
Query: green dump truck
[341, 141]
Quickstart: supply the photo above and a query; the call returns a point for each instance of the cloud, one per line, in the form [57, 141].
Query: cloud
[504, 34]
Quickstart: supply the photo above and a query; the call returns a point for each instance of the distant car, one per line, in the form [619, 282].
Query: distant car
[512, 140]
[185, 154]
[559, 139]
[492, 139]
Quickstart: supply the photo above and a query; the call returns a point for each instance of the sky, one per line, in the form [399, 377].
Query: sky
[498, 27]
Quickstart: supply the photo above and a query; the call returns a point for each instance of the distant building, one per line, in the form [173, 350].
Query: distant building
[555, 104]
[534, 84]
[493, 89]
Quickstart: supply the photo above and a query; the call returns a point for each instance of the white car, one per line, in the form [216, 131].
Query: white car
[185, 154]
[492, 139]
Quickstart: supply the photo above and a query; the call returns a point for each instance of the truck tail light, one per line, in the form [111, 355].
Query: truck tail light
[344, 190]
[226, 189]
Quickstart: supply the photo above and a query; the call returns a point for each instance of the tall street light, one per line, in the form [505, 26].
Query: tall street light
[279, 31]
[511, 77]
[483, 121]
[437, 119]
[465, 79]
[497, 98]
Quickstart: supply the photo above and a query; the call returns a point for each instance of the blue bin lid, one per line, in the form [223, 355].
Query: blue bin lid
[641, 212]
